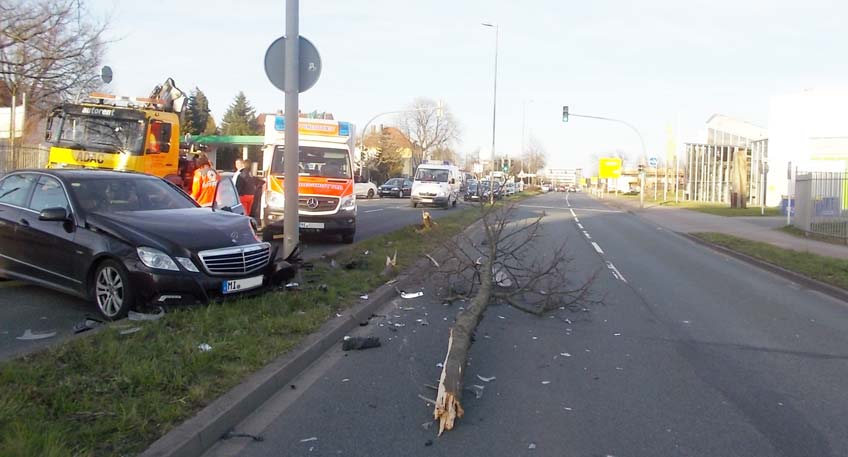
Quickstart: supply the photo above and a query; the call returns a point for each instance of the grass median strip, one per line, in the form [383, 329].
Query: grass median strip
[114, 393]
[717, 209]
[825, 269]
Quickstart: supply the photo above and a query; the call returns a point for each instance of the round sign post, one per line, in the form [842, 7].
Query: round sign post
[309, 65]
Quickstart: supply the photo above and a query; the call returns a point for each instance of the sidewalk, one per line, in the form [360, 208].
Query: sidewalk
[751, 228]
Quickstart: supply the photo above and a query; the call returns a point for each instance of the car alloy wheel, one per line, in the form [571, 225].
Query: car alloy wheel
[111, 290]
[400, 194]
[370, 193]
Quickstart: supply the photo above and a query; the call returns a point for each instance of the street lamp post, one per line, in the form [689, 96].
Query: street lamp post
[494, 113]
[523, 124]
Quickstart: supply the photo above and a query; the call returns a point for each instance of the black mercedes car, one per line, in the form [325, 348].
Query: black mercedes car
[396, 187]
[127, 239]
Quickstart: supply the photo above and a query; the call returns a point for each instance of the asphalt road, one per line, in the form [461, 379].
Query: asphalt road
[692, 354]
[42, 311]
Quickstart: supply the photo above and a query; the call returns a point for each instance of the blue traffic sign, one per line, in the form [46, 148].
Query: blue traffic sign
[652, 162]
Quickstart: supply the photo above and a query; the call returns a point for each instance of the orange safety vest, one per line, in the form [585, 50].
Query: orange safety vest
[204, 185]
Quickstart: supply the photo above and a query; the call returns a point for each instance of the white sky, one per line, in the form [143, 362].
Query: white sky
[646, 62]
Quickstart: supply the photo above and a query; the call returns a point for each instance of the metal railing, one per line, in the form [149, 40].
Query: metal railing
[22, 156]
[821, 203]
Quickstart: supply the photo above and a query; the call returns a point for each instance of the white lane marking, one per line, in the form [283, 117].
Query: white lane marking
[572, 212]
[570, 209]
[589, 236]
[580, 225]
[597, 248]
[617, 274]
[566, 200]
[374, 210]
[576, 220]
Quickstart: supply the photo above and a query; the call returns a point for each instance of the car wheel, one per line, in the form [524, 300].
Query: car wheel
[111, 289]
[370, 193]
[400, 194]
[454, 202]
[347, 238]
[414, 205]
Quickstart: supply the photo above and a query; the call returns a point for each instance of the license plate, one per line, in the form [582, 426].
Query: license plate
[239, 285]
[311, 225]
[426, 200]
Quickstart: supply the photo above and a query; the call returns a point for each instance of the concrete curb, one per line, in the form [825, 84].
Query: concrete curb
[810, 283]
[196, 435]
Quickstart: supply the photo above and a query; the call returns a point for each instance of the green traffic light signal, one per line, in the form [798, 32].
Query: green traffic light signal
[565, 114]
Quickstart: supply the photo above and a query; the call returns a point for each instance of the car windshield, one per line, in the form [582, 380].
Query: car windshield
[324, 162]
[116, 194]
[394, 182]
[431, 175]
[102, 134]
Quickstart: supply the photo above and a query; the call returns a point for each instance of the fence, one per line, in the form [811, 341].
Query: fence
[821, 204]
[715, 172]
[22, 156]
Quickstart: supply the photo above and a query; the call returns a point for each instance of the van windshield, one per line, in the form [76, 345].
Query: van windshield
[431, 174]
[324, 162]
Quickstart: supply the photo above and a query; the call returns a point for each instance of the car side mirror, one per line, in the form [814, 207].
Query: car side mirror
[54, 214]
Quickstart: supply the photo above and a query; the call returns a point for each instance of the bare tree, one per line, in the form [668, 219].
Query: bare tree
[534, 156]
[428, 128]
[49, 49]
[507, 264]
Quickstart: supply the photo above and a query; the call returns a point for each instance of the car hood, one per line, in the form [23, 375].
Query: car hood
[433, 187]
[176, 230]
[391, 186]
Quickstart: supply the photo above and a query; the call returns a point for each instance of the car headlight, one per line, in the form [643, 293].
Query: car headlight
[348, 204]
[275, 200]
[157, 259]
[187, 264]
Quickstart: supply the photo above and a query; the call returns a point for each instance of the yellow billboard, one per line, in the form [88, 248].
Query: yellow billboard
[609, 167]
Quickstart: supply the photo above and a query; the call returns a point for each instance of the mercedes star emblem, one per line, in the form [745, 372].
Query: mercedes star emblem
[312, 203]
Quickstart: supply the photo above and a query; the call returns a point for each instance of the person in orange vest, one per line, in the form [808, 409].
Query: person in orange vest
[205, 183]
[245, 185]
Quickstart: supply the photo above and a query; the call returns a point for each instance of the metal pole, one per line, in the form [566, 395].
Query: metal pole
[12, 125]
[656, 179]
[291, 154]
[494, 116]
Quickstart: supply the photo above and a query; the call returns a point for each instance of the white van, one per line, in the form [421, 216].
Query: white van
[436, 183]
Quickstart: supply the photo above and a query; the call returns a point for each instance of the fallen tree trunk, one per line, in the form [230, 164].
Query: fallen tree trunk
[448, 402]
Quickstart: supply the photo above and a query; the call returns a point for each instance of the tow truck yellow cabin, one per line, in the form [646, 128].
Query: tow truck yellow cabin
[119, 133]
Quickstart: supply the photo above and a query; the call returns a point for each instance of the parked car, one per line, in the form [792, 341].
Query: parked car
[473, 192]
[484, 190]
[546, 188]
[125, 239]
[396, 187]
[365, 189]
[509, 188]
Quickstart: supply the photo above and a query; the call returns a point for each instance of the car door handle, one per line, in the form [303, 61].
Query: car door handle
[24, 222]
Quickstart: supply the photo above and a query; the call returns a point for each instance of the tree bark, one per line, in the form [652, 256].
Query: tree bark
[448, 402]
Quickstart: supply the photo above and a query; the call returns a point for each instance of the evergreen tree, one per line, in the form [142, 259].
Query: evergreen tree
[240, 118]
[196, 117]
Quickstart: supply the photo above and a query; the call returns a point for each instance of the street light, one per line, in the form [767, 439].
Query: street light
[523, 121]
[494, 113]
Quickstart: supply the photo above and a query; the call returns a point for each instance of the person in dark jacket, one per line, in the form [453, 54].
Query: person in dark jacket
[246, 187]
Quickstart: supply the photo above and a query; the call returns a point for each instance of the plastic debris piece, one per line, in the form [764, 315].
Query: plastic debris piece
[130, 331]
[204, 347]
[532, 446]
[687, 322]
[311, 438]
[333, 263]
[545, 383]
[292, 286]
[440, 365]
[616, 334]
[485, 379]
[422, 321]
[427, 425]
[432, 260]
[29, 336]
[477, 389]
[501, 278]
[345, 379]
[535, 337]
[134, 316]
[364, 297]
[412, 294]
[565, 354]
[366, 252]
[501, 317]
[567, 408]
[389, 283]
[86, 324]
[359, 343]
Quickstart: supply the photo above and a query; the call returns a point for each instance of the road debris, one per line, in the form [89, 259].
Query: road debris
[485, 379]
[428, 400]
[616, 334]
[501, 278]
[411, 294]
[311, 438]
[292, 286]
[359, 343]
[477, 389]
[545, 383]
[366, 252]
[323, 287]
[333, 263]
[29, 336]
[391, 263]
[440, 365]
[436, 264]
[231, 434]
[135, 316]
[86, 324]
[345, 379]
[204, 347]
[422, 321]
[565, 354]
[501, 317]
[130, 331]
[532, 446]
[364, 297]
[428, 443]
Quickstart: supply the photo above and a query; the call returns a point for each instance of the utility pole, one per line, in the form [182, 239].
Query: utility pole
[494, 115]
[291, 154]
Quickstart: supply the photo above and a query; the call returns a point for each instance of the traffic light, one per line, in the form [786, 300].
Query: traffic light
[641, 168]
[565, 114]
[505, 168]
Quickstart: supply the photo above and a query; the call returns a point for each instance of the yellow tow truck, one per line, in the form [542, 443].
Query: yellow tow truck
[122, 133]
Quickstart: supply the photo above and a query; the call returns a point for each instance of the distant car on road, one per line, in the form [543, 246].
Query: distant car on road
[546, 187]
[396, 187]
[125, 239]
[365, 189]
[509, 188]
[473, 192]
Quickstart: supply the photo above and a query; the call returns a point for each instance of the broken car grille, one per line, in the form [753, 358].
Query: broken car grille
[236, 261]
